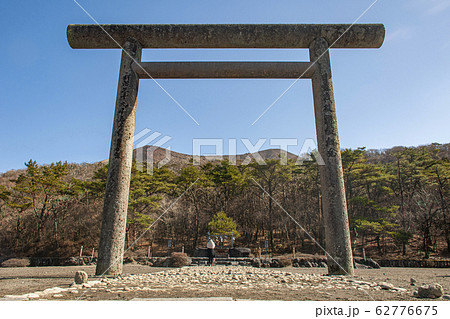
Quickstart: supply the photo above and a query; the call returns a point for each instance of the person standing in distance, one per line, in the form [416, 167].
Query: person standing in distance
[210, 251]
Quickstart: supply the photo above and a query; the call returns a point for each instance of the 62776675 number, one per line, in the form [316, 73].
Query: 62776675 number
[406, 310]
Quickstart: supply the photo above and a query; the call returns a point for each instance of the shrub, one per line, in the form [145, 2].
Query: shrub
[179, 260]
[285, 261]
[16, 262]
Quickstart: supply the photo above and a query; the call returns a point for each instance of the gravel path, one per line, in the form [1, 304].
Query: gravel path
[236, 282]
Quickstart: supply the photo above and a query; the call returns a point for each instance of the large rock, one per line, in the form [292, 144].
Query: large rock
[81, 277]
[386, 285]
[431, 291]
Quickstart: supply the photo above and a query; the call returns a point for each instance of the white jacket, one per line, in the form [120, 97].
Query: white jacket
[210, 244]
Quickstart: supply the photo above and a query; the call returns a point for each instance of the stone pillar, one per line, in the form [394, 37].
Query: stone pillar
[337, 233]
[112, 236]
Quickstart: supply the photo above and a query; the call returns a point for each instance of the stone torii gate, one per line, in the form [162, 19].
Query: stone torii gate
[133, 38]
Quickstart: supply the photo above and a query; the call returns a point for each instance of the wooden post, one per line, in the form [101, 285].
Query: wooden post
[112, 236]
[337, 233]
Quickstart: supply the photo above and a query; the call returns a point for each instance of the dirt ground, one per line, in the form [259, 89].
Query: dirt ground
[18, 281]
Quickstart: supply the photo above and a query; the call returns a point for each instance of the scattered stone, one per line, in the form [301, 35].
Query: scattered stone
[81, 277]
[202, 278]
[446, 297]
[412, 281]
[431, 291]
[386, 286]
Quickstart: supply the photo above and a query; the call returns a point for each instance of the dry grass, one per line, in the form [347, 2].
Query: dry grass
[16, 262]
[179, 260]
[285, 261]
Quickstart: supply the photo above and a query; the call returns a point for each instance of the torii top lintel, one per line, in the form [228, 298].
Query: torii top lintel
[288, 36]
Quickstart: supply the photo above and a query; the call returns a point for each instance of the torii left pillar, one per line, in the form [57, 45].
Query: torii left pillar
[114, 218]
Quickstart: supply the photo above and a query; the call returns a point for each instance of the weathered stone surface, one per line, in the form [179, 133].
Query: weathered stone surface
[112, 236]
[81, 277]
[430, 291]
[337, 233]
[224, 35]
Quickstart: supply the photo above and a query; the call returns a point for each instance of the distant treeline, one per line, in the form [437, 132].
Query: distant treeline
[398, 204]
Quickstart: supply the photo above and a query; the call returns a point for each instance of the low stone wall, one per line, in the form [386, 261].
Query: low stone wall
[415, 263]
[58, 261]
[243, 261]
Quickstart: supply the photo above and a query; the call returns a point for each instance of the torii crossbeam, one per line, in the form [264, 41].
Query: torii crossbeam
[133, 38]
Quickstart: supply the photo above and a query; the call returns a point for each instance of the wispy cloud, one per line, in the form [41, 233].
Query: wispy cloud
[438, 6]
[402, 33]
[432, 7]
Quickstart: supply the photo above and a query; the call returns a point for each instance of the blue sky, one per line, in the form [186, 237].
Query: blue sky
[57, 103]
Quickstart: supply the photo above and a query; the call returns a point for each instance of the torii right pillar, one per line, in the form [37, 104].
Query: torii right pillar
[337, 233]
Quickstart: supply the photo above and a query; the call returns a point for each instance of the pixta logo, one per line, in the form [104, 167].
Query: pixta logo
[146, 143]
[307, 152]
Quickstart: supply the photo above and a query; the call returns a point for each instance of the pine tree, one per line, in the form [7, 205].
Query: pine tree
[221, 224]
[39, 189]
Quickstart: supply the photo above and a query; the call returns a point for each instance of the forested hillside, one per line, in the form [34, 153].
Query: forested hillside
[398, 203]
